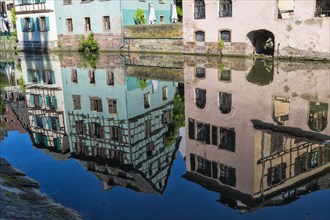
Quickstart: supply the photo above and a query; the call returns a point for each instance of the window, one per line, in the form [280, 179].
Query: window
[225, 8]
[227, 139]
[276, 143]
[91, 75]
[161, 1]
[225, 102]
[27, 24]
[106, 23]
[69, 25]
[39, 121]
[10, 6]
[147, 127]
[110, 78]
[146, 100]
[112, 106]
[225, 75]
[43, 24]
[203, 132]
[74, 76]
[167, 117]
[49, 77]
[88, 24]
[200, 36]
[96, 104]
[96, 130]
[203, 166]
[51, 102]
[276, 174]
[200, 98]
[67, 2]
[161, 19]
[36, 101]
[76, 102]
[165, 92]
[322, 8]
[150, 147]
[227, 175]
[225, 36]
[199, 12]
[200, 72]
[33, 76]
[116, 133]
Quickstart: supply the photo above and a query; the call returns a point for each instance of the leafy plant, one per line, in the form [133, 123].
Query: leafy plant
[88, 45]
[179, 9]
[139, 17]
[221, 45]
[142, 83]
[13, 17]
[21, 83]
[89, 59]
[2, 104]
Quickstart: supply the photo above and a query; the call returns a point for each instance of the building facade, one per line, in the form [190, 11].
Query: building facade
[276, 27]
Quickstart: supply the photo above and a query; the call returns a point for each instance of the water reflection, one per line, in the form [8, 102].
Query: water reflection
[255, 131]
[244, 145]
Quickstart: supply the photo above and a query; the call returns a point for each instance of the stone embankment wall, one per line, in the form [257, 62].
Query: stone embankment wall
[165, 38]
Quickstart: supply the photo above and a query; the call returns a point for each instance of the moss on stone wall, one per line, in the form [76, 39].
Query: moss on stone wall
[161, 31]
[152, 72]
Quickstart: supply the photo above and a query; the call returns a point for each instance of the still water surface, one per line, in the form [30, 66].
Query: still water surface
[172, 137]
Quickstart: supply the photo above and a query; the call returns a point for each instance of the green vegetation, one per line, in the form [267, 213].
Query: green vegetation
[221, 46]
[139, 17]
[88, 51]
[177, 120]
[13, 17]
[89, 45]
[2, 103]
[21, 83]
[142, 83]
[179, 9]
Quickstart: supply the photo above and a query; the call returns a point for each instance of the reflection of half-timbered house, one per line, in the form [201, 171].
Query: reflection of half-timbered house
[119, 121]
[44, 97]
[258, 141]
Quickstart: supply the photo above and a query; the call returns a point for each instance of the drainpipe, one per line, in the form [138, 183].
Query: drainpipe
[121, 26]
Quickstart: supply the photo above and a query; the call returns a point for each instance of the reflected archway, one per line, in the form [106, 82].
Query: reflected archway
[318, 116]
[261, 73]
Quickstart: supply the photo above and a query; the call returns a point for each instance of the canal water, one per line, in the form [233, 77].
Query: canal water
[139, 136]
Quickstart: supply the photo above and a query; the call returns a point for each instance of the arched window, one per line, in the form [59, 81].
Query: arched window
[199, 9]
[200, 98]
[200, 72]
[225, 8]
[225, 36]
[200, 36]
[224, 102]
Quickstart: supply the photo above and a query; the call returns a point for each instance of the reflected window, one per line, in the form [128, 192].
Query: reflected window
[199, 9]
[200, 72]
[33, 76]
[318, 116]
[200, 97]
[91, 75]
[200, 36]
[313, 159]
[281, 110]
[76, 102]
[225, 102]
[36, 101]
[27, 24]
[146, 100]
[96, 130]
[39, 121]
[67, 2]
[276, 143]
[227, 139]
[112, 106]
[203, 166]
[74, 76]
[42, 139]
[225, 75]
[167, 117]
[203, 133]
[51, 102]
[276, 174]
[322, 8]
[165, 93]
[80, 127]
[150, 148]
[285, 9]
[110, 78]
[116, 133]
[300, 165]
[227, 175]
[96, 104]
[191, 128]
[53, 123]
[147, 127]
[69, 25]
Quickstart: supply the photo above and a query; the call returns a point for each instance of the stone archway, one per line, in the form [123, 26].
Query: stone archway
[263, 41]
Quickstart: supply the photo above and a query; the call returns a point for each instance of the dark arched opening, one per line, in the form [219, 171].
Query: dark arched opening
[263, 41]
[261, 73]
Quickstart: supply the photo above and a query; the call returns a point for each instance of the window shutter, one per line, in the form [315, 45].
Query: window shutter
[48, 101]
[40, 100]
[20, 2]
[58, 143]
[55, 102]
[38, 76]
[215, 135]
[36, 1]
[191, 128]
[43, 122]
[57, 121]
[29, 1]
[192, 162]
[45, 140]
[47, 23]
[53, 76]
[28, 76]
[35, 120]
[22, 23]
[43, 1]
[32, 101]
[38, 23]
[32, 24]
[207, 133]
[37, 138]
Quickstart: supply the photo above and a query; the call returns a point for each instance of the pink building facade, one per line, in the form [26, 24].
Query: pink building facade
[274, 27]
